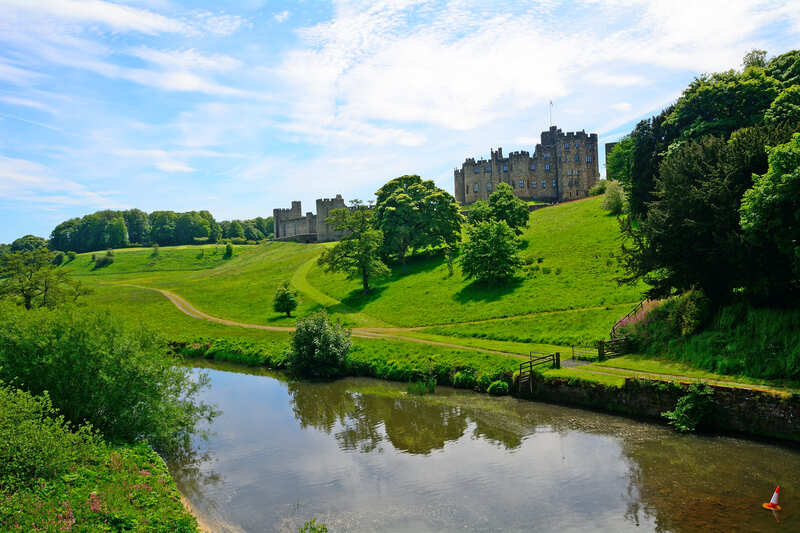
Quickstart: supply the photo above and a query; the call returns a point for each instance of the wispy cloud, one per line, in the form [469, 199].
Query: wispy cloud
[281, 17]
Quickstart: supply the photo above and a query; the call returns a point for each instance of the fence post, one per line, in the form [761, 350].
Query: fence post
[557, 361]
[601, 350]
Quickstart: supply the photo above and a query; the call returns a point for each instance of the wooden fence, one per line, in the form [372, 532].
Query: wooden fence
[526, 368]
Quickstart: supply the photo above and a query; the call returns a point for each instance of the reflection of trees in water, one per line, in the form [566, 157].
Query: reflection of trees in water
[192, 475]
[412, 424]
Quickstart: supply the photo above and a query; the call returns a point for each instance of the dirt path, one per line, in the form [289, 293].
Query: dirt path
[364, 333]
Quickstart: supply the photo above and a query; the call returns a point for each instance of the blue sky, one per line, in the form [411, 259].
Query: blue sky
[241, 107]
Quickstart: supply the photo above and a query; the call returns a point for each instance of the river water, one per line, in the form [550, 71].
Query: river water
[362, 455]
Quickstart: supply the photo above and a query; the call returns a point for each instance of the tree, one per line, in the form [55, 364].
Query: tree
[118, 233]
[138, 226]
[28, 243]
[614, 202]
[770, 211]
[505, 205]
[32, 279]
[64, 236]
[755, 58]
[285, 300]
[236, 230]
[319, 347]
[413, 213]
[228, 251]
[490, 253]
[786, 107]
[251, 231]
[479, 211]
[162, 227]
[189, 226]
[620, 162]
[357, 253]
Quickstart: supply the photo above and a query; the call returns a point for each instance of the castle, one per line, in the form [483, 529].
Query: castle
[292, 225]
[563, 167]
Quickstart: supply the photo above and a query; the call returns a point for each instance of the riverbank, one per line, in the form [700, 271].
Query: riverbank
[748, 411]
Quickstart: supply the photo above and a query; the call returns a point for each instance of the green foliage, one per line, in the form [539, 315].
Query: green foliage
[490, 253]
[506, 206]
[35, 442]
[692, 235]
[479, 211]
[28, 243]
[614, 201]
[620, 162]
[58, 258]
[598, 188]
[755, 58]
[498, 388]
[285, 300]
[228, 251]
[786, 107]
[99, 371]
[413, 213]
[156, 251]
[319, 347]
[71, 255]
[422, 387]
[692, 409]
[312, 527]
[465, 379]
[357, 253]
[770, 212]
[104, 261]
[31, 279]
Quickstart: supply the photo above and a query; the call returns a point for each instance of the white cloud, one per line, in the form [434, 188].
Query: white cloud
[160, 159]
[615, 79]
[186, 59]
[26, 102]
[622, 106]
[281, 17]
[17, 75]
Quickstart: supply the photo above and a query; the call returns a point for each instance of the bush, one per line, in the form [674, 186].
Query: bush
[71, 255]
[490, 254]
[35, 442]
[228, 251]
[99, 371]
[614, 202]
[420, 388]
[598, 189]
[312, 527]
[156, 251]
[464, 379]
[58, 258]
[692, 408]
[103, 261]
[498, 388]
[319, 347]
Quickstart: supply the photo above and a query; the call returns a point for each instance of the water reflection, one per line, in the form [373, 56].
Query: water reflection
[361, 455]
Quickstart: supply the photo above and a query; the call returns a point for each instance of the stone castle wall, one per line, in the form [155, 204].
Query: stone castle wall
[291, 224]
[563, 167]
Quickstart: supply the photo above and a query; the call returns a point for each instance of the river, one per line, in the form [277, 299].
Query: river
[362, 455]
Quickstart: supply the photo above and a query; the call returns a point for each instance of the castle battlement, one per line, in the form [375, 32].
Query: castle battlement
[562, 166]
[292, 224]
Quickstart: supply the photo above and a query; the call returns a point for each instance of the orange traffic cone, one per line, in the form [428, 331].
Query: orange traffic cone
[773, 503]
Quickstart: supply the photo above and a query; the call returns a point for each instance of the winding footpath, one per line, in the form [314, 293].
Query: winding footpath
[386, 333]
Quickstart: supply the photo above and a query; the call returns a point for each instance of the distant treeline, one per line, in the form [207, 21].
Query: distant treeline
[134, 227]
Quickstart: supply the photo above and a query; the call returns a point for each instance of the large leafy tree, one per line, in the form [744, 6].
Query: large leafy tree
[138, 226]
[413, 213]
[28, 243]
[786, 107]
[770, 213]
[30, 278]
[64, 237]
[118, 233]
[490, 252]
[162, 227]
[620, 162]
[357, 254]
[189, 226]
[507, 206]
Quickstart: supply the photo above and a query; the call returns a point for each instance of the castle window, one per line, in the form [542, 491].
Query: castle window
[474, 187]
[554, 183]
[576, 157]
[569, 183]
[487, 170]
[569, 173]
[533, 166]
[533, 185]
[547, 155]
[521, 184]
[505, 168]
[566, 146]
[489, 187]
[544, 184]
[547, 167]
[475, 170]
[588, 159]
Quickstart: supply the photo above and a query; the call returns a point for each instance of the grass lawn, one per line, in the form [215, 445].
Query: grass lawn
[571, 249]
[565, 328]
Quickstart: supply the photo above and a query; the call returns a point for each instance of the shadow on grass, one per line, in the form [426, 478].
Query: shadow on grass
[480, 292]
[358, 299]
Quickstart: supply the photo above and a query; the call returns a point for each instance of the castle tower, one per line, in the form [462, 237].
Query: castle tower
[324, 206]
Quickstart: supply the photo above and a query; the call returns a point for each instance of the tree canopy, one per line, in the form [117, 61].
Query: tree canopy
[490, 252]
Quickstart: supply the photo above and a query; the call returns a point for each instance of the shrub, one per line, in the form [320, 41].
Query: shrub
[312, 527]
[103, 261]
[58, 258]
[319, 347]
[228, 251]
[614, 202]
[99, 371]
[598, 189]
[285, 300]
[498, 388]
[71, 255]
[490, 254]
[464, 379]
[420, 388]
[156, 251]
[36, 442]
[692, 408]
